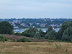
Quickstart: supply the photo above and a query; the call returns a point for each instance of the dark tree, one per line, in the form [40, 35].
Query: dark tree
[30, 32]
[49, 29]
[39, 34]
[51, 35]
[6, 28]
[42, 34]
[67, 35]
[64, 26]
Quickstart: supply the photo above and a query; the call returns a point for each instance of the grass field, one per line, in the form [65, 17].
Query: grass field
[35, 48]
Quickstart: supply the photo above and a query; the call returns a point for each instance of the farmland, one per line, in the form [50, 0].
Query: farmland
[35, 48]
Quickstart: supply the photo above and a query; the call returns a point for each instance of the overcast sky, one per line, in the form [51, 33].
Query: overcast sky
[35, 8]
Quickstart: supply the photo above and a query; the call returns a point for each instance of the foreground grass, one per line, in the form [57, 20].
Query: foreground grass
[35, 48]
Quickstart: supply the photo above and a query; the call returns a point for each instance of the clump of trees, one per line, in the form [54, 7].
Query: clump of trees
[64, 34]
[34, 32]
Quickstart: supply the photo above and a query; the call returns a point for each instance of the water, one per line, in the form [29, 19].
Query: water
[43, 29]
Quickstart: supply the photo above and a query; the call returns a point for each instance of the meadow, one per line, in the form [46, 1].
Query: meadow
[35, 48]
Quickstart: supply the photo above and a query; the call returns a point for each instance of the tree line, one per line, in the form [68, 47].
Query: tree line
[64, 34]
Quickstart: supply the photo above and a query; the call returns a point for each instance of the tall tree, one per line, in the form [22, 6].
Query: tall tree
[49, 29]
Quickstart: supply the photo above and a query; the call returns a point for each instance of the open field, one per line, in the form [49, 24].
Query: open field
[35, 48]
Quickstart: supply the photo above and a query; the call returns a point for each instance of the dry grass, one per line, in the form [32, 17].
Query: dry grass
[35, 48]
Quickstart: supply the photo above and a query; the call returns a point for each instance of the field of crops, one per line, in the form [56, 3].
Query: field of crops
[35, 48]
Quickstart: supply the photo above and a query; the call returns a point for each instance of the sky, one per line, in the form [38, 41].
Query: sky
[35, 8]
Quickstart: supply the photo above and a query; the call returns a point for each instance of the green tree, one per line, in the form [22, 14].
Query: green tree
[6, 28]
[42, 34]
[39, 34]
[49, 29]
[67, 34]
[30, 32]
[51, 35]
[64, 26]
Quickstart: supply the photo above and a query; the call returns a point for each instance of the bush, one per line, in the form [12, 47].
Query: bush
[3, 38]
[18, 33]
[24, 40]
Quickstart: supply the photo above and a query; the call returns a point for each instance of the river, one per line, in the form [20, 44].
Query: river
[43, 29]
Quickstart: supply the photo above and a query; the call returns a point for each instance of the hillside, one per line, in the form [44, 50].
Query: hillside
[14, 37]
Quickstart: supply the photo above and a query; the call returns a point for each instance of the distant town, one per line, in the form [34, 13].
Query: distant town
[34, 22]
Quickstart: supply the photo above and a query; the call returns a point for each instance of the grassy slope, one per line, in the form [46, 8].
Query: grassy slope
[35, 48]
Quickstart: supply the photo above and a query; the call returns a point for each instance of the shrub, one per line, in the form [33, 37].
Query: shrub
[24, 40]
[17, 33]
[3, 38]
